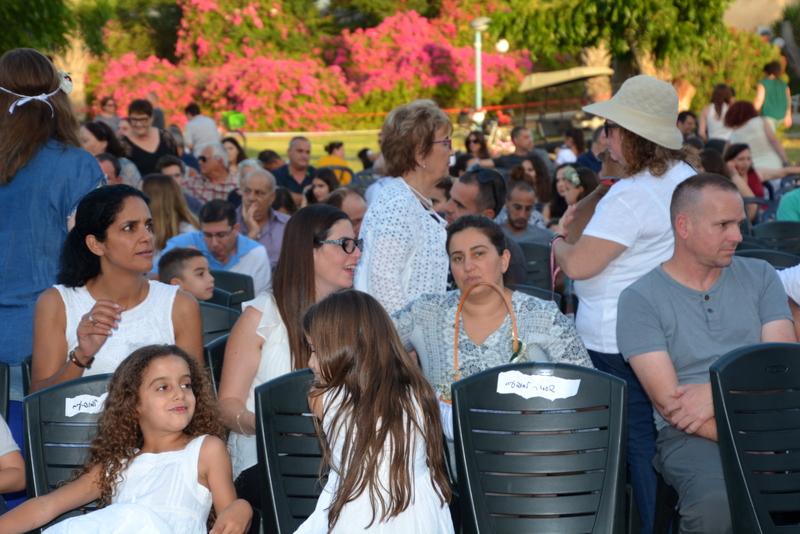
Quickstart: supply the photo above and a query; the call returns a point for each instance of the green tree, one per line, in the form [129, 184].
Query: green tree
[352, 14]
[40, 24]
[652, 31]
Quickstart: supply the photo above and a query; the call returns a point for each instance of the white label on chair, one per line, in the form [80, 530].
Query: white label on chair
[84, 404]
[529, 386]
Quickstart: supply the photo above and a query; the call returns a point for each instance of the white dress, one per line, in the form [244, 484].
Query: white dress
[275, 360]
[425, 513]
[404, 248]
[147, 323]
[157, 494]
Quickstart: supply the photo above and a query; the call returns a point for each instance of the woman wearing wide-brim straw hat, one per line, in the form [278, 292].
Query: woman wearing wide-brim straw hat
[629, 235]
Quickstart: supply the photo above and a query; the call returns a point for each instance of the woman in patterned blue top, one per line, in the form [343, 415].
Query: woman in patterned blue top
[477, 252]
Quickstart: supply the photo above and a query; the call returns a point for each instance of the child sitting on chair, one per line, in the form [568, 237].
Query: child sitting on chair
[188, 269]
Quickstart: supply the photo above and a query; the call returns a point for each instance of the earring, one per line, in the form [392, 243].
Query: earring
[424, 167]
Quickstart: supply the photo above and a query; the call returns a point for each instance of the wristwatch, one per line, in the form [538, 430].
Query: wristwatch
[555, 237]
[76, 361]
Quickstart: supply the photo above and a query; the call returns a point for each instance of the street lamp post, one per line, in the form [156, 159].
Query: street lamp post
[480, 24]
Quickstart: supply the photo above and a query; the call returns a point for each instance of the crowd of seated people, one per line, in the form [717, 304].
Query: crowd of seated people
[431, 255]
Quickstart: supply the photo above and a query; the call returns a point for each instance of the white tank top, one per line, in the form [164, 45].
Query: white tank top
[715, 127]
[146, 324]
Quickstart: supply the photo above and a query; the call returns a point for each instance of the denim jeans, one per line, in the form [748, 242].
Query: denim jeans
[641, 435]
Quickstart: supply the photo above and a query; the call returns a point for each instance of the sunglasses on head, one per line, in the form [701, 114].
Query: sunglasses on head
[485, 176]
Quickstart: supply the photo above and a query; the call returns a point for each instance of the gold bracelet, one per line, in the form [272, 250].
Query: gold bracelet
[239, 424]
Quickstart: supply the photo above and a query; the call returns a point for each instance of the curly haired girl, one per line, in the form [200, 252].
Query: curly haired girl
[381, 419]
[158, 462]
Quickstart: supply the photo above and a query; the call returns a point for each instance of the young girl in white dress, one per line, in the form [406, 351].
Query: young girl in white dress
[381, 420]
[158, 463]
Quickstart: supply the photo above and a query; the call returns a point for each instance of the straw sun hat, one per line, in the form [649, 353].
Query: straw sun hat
[645, 106]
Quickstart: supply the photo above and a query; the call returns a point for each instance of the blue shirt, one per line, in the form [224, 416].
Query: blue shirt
[285, 179]
[589, 160]
[195, 239]
[35, 207]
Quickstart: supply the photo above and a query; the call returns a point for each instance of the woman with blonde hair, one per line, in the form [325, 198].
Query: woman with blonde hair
[43, 175]
[171, 214]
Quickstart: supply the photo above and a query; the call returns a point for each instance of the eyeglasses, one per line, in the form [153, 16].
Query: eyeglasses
[218, 235]
[138, 121]
[448, 143]
[607, 126]
[348, 244]
[486, 176]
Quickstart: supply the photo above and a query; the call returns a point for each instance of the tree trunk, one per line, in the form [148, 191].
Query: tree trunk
[599, 87]
[75, 60]
[646, 63]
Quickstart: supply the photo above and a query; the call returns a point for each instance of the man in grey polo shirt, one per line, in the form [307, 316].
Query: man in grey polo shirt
[679, 319]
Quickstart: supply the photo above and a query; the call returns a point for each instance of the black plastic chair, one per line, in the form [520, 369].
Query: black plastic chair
[221, 298]
[536, 465]
[56, 445]
[766, 209]
[240, 286]
[215, 354]
[537, 265]
[780, 235]
[540, 293]
[217, 321]
[667, 517]
[26, 374]
[789, 181]
[289, 454]
[756, 391]
[779, 260]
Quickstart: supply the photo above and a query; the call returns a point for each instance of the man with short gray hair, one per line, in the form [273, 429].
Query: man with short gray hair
[215, 180]
[257, 220]
[296, 175]
[680, 318]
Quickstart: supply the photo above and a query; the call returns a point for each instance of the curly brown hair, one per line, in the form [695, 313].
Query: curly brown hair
[641, 154]
[119, 436]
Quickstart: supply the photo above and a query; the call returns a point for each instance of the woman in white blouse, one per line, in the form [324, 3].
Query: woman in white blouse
[318, 257]
[404, 239]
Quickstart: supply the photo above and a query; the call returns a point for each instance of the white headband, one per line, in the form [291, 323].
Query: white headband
[25, 99]
[65, 84]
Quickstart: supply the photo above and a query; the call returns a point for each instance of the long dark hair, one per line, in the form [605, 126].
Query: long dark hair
[483, 151]
[293, 283]
[103, 132]
[96, 212]
[240, 154]
[382, 401]
[27, 72]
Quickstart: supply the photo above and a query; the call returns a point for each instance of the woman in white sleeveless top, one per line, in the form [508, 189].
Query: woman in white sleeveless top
[712, 117]
[103, 307]
[318, 257]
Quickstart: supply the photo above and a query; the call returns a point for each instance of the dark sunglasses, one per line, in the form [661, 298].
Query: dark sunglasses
[474, 141]
[202, 159]
[348, 244]
[607, 126]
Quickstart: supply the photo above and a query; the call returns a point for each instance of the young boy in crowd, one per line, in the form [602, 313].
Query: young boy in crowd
[187, 268]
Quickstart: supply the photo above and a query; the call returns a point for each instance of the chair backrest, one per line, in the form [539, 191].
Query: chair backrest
[240, 286]
[538, 292]
[289, 454]
[57, 443]
[366, 177]
[756, 392]
[5, 384]
[766, 209]
[780, 235]
[537, 264]
[220, 297]
[217, 321]
[215, 353]
[345, 174]
[776, 258]
[540, 465]
[26, 374]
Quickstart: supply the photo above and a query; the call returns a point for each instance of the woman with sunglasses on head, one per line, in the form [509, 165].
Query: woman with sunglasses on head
[318, 257]
[475, 143]
[404, 253]
[629, 234]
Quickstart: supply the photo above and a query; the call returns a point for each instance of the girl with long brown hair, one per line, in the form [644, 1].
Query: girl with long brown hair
[160, 416]
[171, 215]
[381, 420]
[43, 175]
[318, 256]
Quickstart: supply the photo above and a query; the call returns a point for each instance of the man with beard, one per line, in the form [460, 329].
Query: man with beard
[519, 203]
